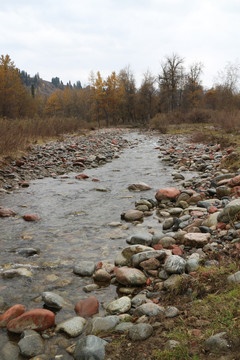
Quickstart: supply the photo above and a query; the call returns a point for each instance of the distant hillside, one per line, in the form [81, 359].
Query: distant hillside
[36, 85]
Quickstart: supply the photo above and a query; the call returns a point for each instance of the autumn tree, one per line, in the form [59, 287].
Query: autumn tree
[147, 98]
[127, 84]
[14, 99]
[193, 91]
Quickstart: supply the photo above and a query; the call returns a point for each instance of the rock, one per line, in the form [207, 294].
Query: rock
[53, 300]
[128, 252]
[167, 241]
[132, 215]
[235, 181]
[172, 344]
[150, 264]
[139, 187]
[142, 239]
[37, 319]
[231, 210]
[234, 278]
[10, 351]
[98, 324]
[90, 287]
[168, 223]
[90, 348]
[130, 276]
[6, 213]
[84, 268]
[192, 265]
[170, 193]
[123, 327]
[172, 282]
[12, 273]
[175, 211]
[81, 176]
[211, 220]
[198, 240]
[27, 251]
[31, 344]
[87, 307]
[72, 327]
[148, 309]
[31, 217]
[138, 300]
[222, 191]
[140, 332]
[102, 275]
[171, 312]
[119, 306]
[11, 313]
[174, 265]
[217, 343]
[145, 255]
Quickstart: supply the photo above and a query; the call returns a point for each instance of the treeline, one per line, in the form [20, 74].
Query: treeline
[115, 100]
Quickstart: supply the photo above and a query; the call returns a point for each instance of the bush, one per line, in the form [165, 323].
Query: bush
[160, 122]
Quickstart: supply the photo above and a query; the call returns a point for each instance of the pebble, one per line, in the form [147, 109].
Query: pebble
[31, 344]
[53, 300]
[72, 327]
[140, 332]
[90, 347]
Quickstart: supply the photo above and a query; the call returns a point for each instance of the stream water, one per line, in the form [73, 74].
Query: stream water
[74, 226]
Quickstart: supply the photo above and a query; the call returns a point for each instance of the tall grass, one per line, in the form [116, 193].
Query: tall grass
[17, 134]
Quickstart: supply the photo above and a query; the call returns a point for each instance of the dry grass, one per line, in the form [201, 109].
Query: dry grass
[17, 134]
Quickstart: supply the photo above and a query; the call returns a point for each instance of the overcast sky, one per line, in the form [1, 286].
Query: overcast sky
[69, 38]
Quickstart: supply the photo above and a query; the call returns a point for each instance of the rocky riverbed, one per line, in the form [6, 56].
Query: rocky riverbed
[69, 285]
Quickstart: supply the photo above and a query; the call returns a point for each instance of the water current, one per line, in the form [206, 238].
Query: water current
[74, 226]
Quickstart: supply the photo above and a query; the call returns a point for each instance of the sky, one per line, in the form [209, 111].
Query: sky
[71, 38]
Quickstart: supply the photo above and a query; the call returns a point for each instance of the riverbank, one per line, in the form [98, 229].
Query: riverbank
[183, 244]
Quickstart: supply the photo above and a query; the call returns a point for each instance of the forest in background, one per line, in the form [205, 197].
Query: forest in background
[31, 107]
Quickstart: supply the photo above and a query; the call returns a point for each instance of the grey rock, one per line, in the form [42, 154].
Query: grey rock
[140, 332]
[119, 306]
[31, 344]
[124, 327]
[174, 265]
[167, 241]
[10, 351]
[90, 287]
[73, 327]
[175, 211]
[53, 300]
[138, 300]
[234, 278]
[99, 324]
[172, 344]
[172, 282]
[148, 309]
[142, 239]
[142, 256]
[90, 348]
[217, 343]
[171, 312]
[168, 223]
[141, 186]
[84, 268]
[231, 210]
[192, 265]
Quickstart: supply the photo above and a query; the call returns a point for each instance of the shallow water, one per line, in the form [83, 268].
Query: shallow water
[74, 225]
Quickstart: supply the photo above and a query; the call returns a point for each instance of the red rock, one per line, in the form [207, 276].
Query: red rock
[115, 141]
[31, 217]
[234, 181]
[81, 176]
[24, 184]
[236, 191]
[177, 251]
[212, 209]
[167, 193]
[158, 247]
[95, 179]
[19, 163]
[148, 282]
[230, 150]
[157, 148]
[221, 226]
[196, 213]
[6, 213]
[87, 307]
[78, 163]
[99, 265]
[11, 313]
[36, 319]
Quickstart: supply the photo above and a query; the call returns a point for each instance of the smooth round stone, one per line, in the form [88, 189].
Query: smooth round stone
[140, 332]
[90, 287]
[31, 344]
[124, 327]
[234, 278]
[10, 351]
[119, 306]
[90, 347]
[174, 265]
[145, 255]
[171, 312]
[167, 241]
[98, 324]
[142, 239]
[130, 276]
[84, 268]
[102, 275]
[53, 300]
[138, 300]
[148, 309]
[168, 223]
[133, 215]
[142, 208]
[175, 211]
[192, 265]
[72, 327]
[139, 187]
[231, 210]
